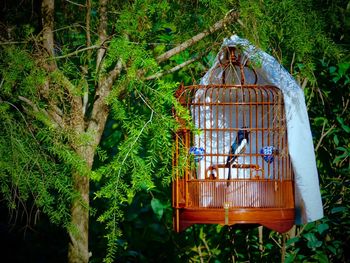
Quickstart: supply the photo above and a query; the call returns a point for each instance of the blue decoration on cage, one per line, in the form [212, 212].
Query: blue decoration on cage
[268, 153]
[198, 153]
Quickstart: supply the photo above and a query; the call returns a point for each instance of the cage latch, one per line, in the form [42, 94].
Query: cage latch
[226, 207]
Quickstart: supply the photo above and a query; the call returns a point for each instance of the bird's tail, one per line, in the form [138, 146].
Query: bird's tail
[229, 175]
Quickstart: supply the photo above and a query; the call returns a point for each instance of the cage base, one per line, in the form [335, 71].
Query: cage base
[278, 219]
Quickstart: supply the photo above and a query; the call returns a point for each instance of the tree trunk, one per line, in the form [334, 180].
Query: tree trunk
[78, 249]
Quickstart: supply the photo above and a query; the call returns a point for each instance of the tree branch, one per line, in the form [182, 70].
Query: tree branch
[176, 68]
[85, 68]
[78, 51]
[323, 134]
[87, 21]
[12, 42]
[74, 97]
[114, 74]
[102, 32]
[57, 119]
[100, 109]
[51, 115]
[218, 25]
[47, 10]
[74, 3]
[30, 103]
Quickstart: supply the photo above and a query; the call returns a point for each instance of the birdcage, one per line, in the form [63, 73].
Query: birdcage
[231, 161]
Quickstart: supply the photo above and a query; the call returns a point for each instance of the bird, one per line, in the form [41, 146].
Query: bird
[238, 147]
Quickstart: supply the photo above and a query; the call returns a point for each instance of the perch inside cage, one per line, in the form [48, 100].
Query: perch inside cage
[236, 168]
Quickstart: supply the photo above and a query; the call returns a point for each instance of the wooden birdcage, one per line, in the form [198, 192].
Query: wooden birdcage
[261, 185]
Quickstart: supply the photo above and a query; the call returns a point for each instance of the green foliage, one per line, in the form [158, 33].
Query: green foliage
[144, 154]
[29, 173]
[17, 70]
[329, 116]
[37, 162]
[293, 32]
[143, 220]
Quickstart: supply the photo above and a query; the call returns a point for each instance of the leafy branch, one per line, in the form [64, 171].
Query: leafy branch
[231, 16]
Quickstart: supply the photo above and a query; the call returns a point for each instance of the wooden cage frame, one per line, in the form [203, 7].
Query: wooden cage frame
[261, 190]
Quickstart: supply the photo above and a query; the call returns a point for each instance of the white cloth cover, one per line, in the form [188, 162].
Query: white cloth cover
[301, 150]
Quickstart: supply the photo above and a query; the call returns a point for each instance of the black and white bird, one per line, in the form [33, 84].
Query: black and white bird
[238, 147]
